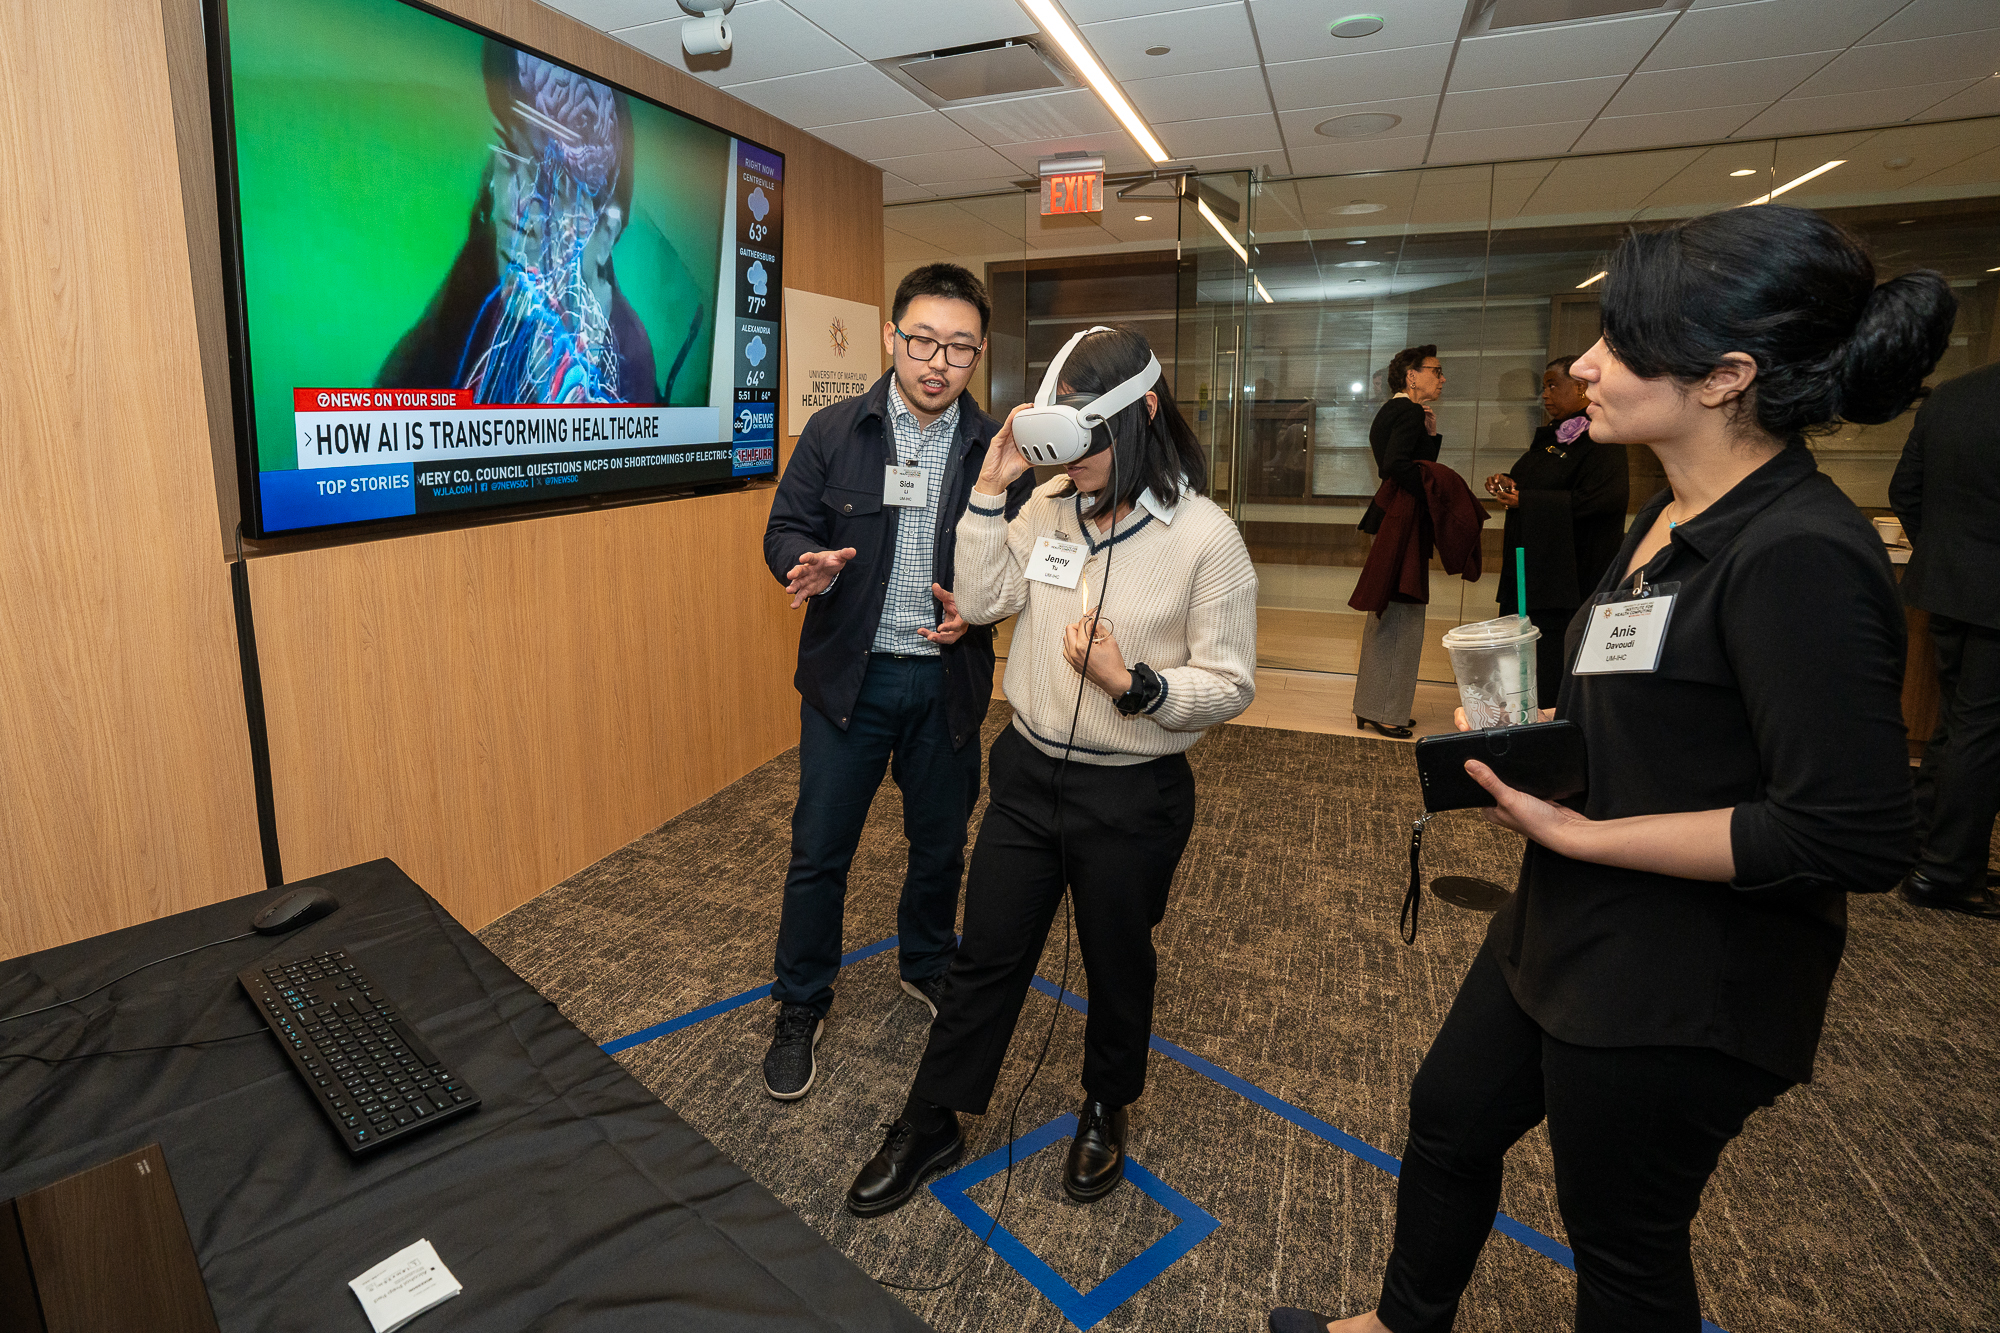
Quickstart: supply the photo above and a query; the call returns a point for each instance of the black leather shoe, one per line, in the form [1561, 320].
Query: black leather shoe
[1291, 1319]
[1974, 900]
[1393, 732]
[1097, 1153]
[906, 1157]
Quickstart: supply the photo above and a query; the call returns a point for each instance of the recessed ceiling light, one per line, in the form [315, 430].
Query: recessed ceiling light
[1357, 242]
[1906, 222]
[1356, 387]
[1359, 263]
[1357, 25]
[1158, 50]
[1898, 163]
[1746, 171]
[1357, 126]
[1360, 206]
[1357, 279]
[1143, 217]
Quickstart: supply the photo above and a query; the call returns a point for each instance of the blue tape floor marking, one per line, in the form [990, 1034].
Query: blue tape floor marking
[1284, 1110]
[1083, 1309]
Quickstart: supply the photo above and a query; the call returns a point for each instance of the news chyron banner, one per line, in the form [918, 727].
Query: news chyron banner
[375, 452]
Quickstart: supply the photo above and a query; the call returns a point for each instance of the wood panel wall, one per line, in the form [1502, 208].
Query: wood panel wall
[498, 706]
[125, 787]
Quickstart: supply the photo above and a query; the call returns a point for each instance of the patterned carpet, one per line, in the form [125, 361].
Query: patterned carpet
[1868, 1200]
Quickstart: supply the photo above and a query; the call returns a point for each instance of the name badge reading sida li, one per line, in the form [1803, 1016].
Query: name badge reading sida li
[1625, 635]
[1055, 562]
[905, 486]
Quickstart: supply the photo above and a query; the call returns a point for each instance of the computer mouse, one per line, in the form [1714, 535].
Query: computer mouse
[292, 909]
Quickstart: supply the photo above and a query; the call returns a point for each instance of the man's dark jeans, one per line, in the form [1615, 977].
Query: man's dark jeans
[899, 724]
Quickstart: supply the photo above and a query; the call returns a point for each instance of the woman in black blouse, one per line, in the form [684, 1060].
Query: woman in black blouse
[1565, 501]
[1663, 970]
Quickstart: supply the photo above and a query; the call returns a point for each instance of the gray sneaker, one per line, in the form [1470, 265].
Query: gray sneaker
[930, 990]
[789, 1067]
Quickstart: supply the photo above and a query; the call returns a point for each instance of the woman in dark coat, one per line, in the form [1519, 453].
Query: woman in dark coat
[1565, 500]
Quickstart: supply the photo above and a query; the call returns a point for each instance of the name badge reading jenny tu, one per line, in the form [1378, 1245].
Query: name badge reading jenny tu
[1057, 563]
[905, 486]
[1625, 635]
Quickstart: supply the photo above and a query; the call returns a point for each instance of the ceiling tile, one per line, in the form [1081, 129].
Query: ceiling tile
[1766, 28]
[1297, 29]
[1809, 115]
[1213, 37]
[1937, 18]
[1981, 99]
[1980, 169]
[897, 136]
[1358, 78]
[771, 41]
[852, 92]
[1045, 116]
[1116, 147]
[1929, 147]
[1539, 104]
[1417, 114]
[1239, 162]
[1580, 50]
[1601, 185]
[879, 29]
[895, 189]
[1100, 11]
[1327, 157]
[610, 15]
[1220, 134]
[955, 167]
[1514, 141]
[1736, 83]
[1617, 134]
[1213, 92]
[1927, 60]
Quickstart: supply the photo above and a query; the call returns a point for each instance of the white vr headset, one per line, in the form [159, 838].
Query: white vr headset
[1051, 433]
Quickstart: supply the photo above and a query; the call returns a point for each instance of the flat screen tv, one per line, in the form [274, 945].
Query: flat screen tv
[462, 274]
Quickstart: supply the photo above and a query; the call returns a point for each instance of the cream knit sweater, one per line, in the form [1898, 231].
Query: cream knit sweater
[1182, 599]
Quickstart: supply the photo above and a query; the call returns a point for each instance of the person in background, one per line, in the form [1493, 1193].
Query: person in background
[890, 675]
[1663, 969]
[1090, 787]
[1404, 434]
[1946, 491]
[1565, 502]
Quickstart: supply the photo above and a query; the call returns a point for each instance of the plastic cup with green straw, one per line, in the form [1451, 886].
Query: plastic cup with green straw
[1521, 597]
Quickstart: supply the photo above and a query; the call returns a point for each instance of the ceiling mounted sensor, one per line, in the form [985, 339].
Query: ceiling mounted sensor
[973, 73]
[1159, 50]
[1359, 125]
[1357, 25]
[708, 32]
[1359, 206]
[1500, 15]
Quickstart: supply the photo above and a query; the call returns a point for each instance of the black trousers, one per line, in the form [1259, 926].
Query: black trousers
[1958, 784]
[1125, 828]
[1635, 1132]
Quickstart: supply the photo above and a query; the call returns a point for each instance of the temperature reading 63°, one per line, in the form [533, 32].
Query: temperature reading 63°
[758, 231]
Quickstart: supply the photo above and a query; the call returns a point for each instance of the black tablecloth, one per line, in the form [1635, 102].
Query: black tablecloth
[572, 1199]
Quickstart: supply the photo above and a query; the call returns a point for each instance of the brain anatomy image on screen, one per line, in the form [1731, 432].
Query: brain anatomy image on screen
[475, 276]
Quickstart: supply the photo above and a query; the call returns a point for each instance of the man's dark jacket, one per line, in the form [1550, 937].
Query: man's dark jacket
[1947, 493]
[831, 497]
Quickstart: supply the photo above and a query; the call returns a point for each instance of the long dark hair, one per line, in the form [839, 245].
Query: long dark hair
[1794, 292]
[1160, 453]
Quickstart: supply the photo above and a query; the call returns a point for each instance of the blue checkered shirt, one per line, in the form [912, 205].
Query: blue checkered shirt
[908, 604]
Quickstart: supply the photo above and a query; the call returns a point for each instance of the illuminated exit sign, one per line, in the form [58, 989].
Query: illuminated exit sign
[1072, 185]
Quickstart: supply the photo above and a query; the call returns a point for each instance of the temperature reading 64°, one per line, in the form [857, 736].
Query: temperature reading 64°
[754, 377]
[758, 231]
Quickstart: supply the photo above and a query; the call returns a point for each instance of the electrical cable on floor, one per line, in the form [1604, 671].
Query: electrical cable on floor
[1062, 861]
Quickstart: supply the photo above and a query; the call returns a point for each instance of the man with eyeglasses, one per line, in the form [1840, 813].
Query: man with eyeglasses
[862, 533]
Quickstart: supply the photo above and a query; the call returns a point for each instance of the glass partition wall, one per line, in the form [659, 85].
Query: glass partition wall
[1276, 305]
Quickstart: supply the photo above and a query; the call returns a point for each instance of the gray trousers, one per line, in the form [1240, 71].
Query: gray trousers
[1385, 686]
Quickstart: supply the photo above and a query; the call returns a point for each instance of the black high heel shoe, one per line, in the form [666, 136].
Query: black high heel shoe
[1393, 733]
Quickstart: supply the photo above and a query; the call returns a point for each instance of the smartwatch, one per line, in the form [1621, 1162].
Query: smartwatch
[1145, 689]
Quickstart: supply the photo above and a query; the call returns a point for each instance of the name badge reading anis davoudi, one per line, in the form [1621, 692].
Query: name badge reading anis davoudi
[1627, 629]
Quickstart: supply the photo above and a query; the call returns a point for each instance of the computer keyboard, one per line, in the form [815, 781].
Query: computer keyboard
[370, 1073]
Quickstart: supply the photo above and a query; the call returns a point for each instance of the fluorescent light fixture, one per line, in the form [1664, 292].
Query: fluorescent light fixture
[1201, 206]
[1142, 217]
[1056, 24]
[1268, 298]
[1744, 171]
[1595, 277]
[1794, 184]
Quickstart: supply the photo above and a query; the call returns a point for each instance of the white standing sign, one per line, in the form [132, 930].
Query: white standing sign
[833, 350]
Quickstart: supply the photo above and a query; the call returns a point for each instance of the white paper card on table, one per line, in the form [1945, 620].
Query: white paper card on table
[403, 1286]
[1057, 563]
[905, 486]
[1625, 636]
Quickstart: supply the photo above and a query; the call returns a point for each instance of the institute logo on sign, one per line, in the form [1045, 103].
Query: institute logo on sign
[836, 336]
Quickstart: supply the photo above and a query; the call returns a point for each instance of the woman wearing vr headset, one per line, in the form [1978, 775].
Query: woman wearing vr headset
[1137, 630]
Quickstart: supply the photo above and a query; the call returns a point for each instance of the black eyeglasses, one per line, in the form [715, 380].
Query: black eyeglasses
[924, 349]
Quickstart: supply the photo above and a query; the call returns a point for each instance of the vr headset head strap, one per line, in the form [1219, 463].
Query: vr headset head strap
[1046, 395]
